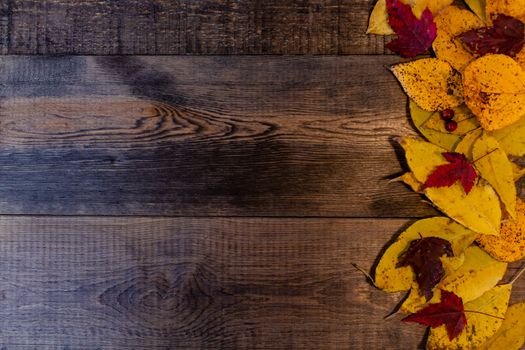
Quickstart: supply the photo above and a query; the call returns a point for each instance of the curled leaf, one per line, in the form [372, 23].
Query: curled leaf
[432, 83]
[478, 7]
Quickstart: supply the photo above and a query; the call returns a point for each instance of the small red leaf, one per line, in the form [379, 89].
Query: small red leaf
[459, 169]
[449, 312]
[423, 255]
[414, 36]
[507, 37]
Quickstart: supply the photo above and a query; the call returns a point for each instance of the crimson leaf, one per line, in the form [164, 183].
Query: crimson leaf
[423, 255]
[414, 36]
[507, 37]
[449, 312]
[459, 169]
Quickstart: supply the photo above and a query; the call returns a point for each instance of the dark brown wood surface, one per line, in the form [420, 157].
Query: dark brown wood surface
[198, 202]
[168, 27]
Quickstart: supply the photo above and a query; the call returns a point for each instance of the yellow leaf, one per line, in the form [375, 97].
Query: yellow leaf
[509, 246]
[478, 6]
[494, 90]
[450, 23]
[419, 117]
[479, 210]
[462, 115]
[478, 273]
[432, 83]
[410, 180]
[513, 8]
[511, 334]
[467, 143]
[391, 278]
[512, 138]
[494, 166]
[378, 22]
[520, 58]
[479, 327]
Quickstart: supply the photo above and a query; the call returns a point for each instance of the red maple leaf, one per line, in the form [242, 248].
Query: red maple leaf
[507, 37]
[449, 312]
[414, 36]
[459, 169]
[423, 255]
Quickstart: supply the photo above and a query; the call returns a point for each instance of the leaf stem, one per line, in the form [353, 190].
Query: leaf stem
[483, 313]
[367, 275]
[483, 156]
[515, 278]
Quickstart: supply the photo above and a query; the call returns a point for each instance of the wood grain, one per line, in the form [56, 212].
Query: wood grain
[168, 27]
[263, 136]
[144, 283]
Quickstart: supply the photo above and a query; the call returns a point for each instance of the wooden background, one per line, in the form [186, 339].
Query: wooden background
[170, 180]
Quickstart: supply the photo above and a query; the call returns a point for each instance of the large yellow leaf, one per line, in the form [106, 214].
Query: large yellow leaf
[494, 166]
[443, 139]
[478, 273]
[478, 6]
[479, 210]
[479, 327]
[432, 83]
[378, 22]
[511, 334]
[391, 278]
[450, 23]
[512, 138]
[510, 244]
[494, 89]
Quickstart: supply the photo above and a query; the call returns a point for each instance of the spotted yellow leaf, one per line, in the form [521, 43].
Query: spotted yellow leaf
[494, 90]
[510, 244]
[432, 83]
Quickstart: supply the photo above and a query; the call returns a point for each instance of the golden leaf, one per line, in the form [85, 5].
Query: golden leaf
[432, 83]
[494, 166]
[480, 327]
[391, 278]
[451, 22]
[479, 210]
[509, 246]
[494, 90]
[478, 6]
[511, 333]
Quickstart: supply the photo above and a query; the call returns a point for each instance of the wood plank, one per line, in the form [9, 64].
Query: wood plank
[263, 136]
[157, 283]
[187, 27]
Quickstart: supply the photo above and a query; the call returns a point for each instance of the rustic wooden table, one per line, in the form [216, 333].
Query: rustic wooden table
[170, 180]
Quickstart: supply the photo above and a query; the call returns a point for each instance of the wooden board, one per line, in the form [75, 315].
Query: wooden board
[157, 283]
[167, 27]
[244, 136]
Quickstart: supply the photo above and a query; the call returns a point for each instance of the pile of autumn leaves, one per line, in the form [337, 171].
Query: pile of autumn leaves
[468, 103]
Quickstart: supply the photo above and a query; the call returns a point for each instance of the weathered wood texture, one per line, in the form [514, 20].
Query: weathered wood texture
[187, 27]
[263, 136]
[194, 283]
